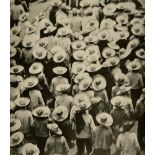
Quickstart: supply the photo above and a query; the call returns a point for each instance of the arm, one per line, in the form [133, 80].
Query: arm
[65, 146]
[40, 98]
[47, 145]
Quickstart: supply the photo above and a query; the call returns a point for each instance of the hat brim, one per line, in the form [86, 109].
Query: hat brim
[16, 126]
[124, 91]
[21, 136]
[20, 69]
[62, 72]
[107, 123]
[46, 112]
[36, 71]
[26, 101]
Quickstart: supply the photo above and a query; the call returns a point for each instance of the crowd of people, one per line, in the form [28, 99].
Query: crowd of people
[77, 78]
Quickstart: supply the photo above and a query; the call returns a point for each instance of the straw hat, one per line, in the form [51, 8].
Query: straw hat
[56, 3]
[92, 24]
[50, 28]
[93, 58]
[78, 45]
[56, 49]
[104, 119]
[93, 67]
[12, 105]
[78, 67]
[99, 82]
[140, 53]
[28, 42]
[23, 17]
[137, 21]
[30, 29]
[133, 66]
[62, 87]
[40, 16]
[60, 113]
[80, 98]
[43, 42]
[81, 77]
[91, 39]
[30, 149]
[109, 9]
[84, 106]
[22, 102]
[84, 3]
[54, 128]
[108, 52]
[93, 49]
[113, 45]
[120, 27]
[126, 126]
[112, 61]
[16, 138]
[13, 51]
[63, 31]
[59, 56]
[124, 89]
[31, 82]
[138, 30]
[15, 125]
[15, 78]
[14, 40]
[36, 68]
[79, 55]
[121, 5]
[122, 18]
[85, 83]
[130, 6]
[41, 111]
[60, 70]
[39, 53]
[16, 69]
[118, 101]
[123, 34]
[133, 43]
[121, 78]
[15, 30]
[46, 23]
[103, 35]
[107, 23]
[95, 100]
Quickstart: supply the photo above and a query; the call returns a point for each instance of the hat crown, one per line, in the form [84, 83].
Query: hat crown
[12, 123]
[29, 152]
[103, 119]
[39, 112]
[15, 69]
[39, 53]
[108, 53]
[113, 62]
[22, 102]
[59, 113]
[30, 83]
[98, 82]
[134, 66]
[16, 138]
[78, 45]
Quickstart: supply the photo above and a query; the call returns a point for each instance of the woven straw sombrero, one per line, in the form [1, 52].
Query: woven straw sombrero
[16, 69]
[31, 82]
[15, 125]
[16, 138]
[108, 52]
[41, 111]
[39, 53]
[60, 70]
[109, 9]
[36, 68]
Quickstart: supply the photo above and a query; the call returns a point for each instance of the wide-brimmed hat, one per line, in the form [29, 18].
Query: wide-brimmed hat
[78, 67]
[112, 61]
[93, 49]
[46, 23]
[41, 111]
[108, 52]
[40, 16]
[138, 30]
[56, 3]
[109, 9]
[81, 77]
[126, 126]
[88, 11]
[22, 102]
[93, 58]
[113, 45]
[50, 29]
[91, 39]
[95, 100]
[59, 70]
[39, 53]
[121, 78]
[92, 24]
[93, 67]
[15, 30]
[12, 105]
[31, 82]
[62, 87]
[118, 101]
[123, 34]
[122, 18]
[85, 83]
[82, 106]
[30, 29]
[16, 69]
[15, 78]
[43, 42]
[130, 6]
[14, 40]
[30, 149]
[13, 51]
[36, 68]
[80, 98]
[84, 3]
[53, 127]
[107, 23]
[124, 89]
[121, 5]
[16, 138]
[63, 31]
[78, 45]
[79, 55]
[104, 119]
[133, 43]
[140, 53]
[15, 125]
[99, 82]
[60, 113]
[137, 21]
[56, 49]
[28, 42]
[59, 56]
[133, 66]
[120, 27]
[103, 35]
[23, 16]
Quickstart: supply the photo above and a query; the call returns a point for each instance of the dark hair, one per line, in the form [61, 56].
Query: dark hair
[14, 84]
[17, 2]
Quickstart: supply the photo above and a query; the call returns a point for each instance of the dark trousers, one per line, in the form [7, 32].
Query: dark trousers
[81, 143]
[102, 152]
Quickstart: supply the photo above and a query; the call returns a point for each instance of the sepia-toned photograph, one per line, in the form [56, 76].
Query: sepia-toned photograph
[77, 77]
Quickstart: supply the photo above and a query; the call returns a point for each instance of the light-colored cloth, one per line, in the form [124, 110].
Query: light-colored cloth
[26, 119]
[102, 137]
[14, 93]
[76, 23]
[128, 144]
[136, 80]
[56, 145]
[35, 98]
